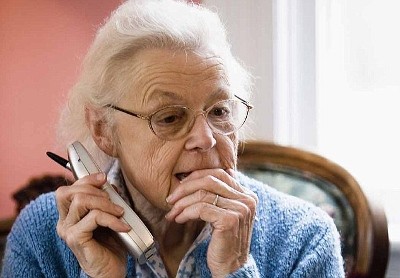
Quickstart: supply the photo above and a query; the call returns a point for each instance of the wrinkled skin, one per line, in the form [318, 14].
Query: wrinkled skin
[175, 207]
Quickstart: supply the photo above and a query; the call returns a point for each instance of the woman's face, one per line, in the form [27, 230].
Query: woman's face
[162, 78]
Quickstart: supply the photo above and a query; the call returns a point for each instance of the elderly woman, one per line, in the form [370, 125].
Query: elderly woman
[159, 105]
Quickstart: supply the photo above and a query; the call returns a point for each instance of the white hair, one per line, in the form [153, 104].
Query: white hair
[134, 26]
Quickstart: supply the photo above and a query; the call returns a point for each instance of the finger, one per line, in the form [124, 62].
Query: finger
[207, 183]
[82, 204]
[96, 180]
[223, 175]
[207, 197]
[230, 220]
[180, 212]
[209, 213]
[188, 208]
[235, 219]
[228, 235]
[243, 189]
[213, 184]
[88, 185]
[98, 218]
[199, 196]
[77, 235]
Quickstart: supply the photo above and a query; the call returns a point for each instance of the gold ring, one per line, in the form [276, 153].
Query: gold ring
[216, 200]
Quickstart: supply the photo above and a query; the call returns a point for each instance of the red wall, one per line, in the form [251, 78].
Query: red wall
[42, 43]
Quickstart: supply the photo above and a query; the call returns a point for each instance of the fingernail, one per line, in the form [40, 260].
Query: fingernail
[120, 209]
[100, 176]
[168, 199]
[231, 172]
[168, 216]
[127, 226]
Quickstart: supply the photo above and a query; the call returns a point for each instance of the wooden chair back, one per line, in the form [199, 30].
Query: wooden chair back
[360, 221]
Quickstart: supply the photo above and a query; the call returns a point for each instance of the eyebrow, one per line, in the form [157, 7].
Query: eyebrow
[161, 96]
[158, 97]
[221, 93]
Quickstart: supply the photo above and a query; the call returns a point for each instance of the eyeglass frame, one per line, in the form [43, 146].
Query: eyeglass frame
[148, 117]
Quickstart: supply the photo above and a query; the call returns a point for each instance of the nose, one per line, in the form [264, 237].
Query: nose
[200, 137]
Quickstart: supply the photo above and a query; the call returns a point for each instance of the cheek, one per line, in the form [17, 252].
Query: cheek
[227, 150]
[161, 161]
[149, 166]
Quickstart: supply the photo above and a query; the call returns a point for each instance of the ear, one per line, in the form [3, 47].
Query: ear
[100, 131]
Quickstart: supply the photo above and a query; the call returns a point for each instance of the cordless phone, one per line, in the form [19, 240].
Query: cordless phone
[139, 241]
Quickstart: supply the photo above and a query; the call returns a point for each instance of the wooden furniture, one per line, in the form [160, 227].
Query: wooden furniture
[5, 228]
[361, 222]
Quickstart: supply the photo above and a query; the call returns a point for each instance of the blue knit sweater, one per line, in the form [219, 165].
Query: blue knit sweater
[291, 238]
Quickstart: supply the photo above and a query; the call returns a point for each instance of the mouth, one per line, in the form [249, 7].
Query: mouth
[181, 176]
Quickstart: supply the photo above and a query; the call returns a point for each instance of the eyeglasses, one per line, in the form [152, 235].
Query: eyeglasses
[175, 121]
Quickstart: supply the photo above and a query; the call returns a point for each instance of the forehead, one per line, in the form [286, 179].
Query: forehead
[162, 75]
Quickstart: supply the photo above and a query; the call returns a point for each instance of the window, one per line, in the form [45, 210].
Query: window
[335, 77]
[358, 92]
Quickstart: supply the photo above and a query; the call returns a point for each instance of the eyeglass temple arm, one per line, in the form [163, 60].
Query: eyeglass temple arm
[126, 111]
[248, 104]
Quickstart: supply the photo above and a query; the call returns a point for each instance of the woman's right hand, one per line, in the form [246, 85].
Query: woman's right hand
[84, 209]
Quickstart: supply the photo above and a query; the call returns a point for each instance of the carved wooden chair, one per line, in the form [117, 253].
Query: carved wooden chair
[361, 223]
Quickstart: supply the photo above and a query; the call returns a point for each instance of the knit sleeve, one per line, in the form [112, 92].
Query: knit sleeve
[292, 237]
[322, 256]
[33, 248]
[17, 263]
[19, 258]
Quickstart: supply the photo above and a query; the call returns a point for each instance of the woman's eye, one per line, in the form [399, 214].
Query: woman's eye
[220, 112]
[169, 117]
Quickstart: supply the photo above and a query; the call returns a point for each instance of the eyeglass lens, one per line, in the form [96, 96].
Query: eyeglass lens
[224, 117]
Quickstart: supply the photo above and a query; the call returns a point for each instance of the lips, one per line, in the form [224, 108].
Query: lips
[181, 176]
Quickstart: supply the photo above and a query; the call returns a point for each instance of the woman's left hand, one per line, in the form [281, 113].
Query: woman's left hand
[231, 217]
